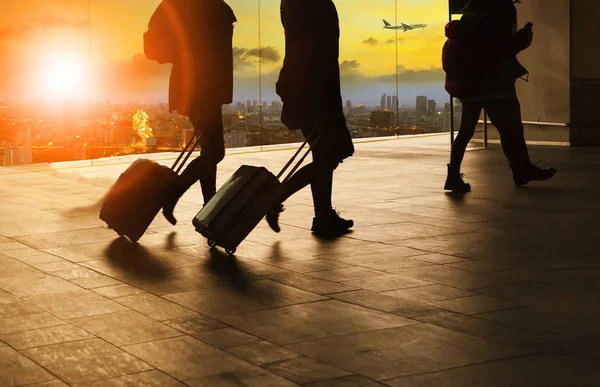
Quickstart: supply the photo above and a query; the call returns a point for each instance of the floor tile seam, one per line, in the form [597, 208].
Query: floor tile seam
[63, 322]
[350, 373]
[47, 370]
[161, 297]
[120, 351]
[387, 290]
[136, 373]
[567, 341]
[122, 346]
[509, 308]
[394, 313]
[389, 241]
[228, 350]
[487, 295]
[495, 360]
[218, 318]
[342, 335]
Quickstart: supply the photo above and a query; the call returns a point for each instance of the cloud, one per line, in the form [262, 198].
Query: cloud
[349, 67]
[247, 57]
[25, 30]
[268, 54]
[371, 41]
[351, 75]
[391, 41]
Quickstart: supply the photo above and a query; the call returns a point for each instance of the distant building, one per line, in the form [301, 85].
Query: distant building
[394, 103]
[431, 107]
[253, 119]
[236, 139]
[422, 104]
[348, 105]
[231, 120]
[389, 102]
[382, 118]
[384, 102]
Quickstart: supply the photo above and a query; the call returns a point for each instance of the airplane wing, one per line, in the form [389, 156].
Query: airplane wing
[406, 27]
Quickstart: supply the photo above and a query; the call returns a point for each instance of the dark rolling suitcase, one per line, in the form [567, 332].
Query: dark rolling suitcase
[138, 194]
[240, 203]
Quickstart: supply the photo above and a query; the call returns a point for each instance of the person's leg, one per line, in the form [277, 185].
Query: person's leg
[212, 153]
[209, 123]
[468, 124]
[505, 115]
[300, 179]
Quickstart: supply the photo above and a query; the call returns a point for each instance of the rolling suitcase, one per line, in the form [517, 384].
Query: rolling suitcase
[238, 206]
[139, 193]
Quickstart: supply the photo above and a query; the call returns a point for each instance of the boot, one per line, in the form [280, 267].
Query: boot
[455, 182]
[522, 176]
[273, 217]
[330, 225]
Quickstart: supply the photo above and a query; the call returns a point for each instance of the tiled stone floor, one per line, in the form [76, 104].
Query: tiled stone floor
[500, 287]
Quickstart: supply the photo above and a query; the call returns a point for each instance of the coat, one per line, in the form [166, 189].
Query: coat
[202, 71]
[309, 81]
[480, 59]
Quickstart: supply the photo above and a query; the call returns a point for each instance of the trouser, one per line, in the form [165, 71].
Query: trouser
[505, 114]
[208, 123]
[319, 174]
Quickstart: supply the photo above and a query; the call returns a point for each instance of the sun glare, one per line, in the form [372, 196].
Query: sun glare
[63, 75]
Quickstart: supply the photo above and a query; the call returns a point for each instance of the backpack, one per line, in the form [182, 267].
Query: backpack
[159, 41]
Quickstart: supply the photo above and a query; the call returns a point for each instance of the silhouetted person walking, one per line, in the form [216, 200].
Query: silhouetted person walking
[201, 82]
[480, 61]
[309, 86]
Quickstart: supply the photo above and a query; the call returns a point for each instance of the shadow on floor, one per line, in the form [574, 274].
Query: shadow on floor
[135, 259]
[227, 267]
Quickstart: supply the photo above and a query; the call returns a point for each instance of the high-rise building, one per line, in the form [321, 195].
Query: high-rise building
[431, 107]
[394, 103]
[422, 104]
[384, 102]
[389, 102]
[348, 105]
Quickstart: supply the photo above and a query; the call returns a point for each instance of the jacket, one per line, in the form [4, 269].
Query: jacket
[479, 59]
[202, 71]
[309, 81]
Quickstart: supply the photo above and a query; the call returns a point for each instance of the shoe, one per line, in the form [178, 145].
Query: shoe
[522, 176]
[170, 201]
[169, 207]
[331, 225]
[455, 182]
[273, 217]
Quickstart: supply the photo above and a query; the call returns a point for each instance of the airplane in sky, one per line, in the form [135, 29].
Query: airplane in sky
[402, 26]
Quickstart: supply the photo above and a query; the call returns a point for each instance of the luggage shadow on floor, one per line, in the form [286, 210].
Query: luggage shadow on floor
[135, 259]
[228, 267]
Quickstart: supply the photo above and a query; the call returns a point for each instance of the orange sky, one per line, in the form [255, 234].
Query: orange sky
[32, 30]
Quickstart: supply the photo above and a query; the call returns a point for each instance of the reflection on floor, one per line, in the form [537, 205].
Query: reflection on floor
[497, 288]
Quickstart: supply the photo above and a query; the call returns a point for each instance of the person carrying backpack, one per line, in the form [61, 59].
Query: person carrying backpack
[480, 61]
[196, 36]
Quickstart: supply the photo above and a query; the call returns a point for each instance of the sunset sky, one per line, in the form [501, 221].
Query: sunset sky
[47, 52]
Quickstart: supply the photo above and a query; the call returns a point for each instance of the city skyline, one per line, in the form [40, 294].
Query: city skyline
[59, 32]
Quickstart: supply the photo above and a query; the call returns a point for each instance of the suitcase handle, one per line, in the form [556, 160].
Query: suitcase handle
[195, 140]
[291, 160]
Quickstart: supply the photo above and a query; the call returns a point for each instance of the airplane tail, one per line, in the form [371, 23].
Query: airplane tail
[386, 23]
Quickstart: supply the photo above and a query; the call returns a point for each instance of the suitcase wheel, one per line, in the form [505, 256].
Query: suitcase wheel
[212, 243]
[230, 251]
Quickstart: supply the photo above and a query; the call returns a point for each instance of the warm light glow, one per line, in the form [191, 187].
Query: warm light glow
[63, 75]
